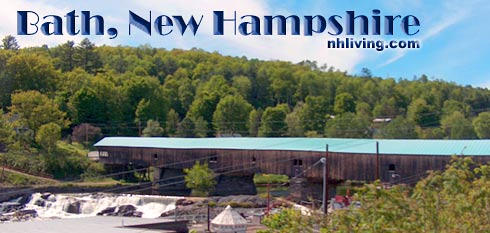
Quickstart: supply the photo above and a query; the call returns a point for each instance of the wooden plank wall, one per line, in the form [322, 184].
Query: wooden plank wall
[342, 166]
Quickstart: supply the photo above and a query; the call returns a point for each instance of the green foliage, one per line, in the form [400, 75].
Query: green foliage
[86, 57]
[33, 109]
[273, 122]
[293, 122]
[422, 113]
[398, 128]
[200, 179]
[289, 220]
[314, 113]
[453, 200]
[482, 125]
[456, 126]
[9, 43]
[254, 122]
[344, 103]
[27, 71]
[231, 115]
[270, 178]
[152, 129]
[348, 125]
[6, 132]
[119, 88]
[48, 135]
[172, 122]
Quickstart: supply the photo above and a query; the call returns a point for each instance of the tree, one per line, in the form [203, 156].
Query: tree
[34, 109]
[208, 97]
[456, 126]
[254, 122]
[398, 128]
[348, 125]
[86, 133]
[273, 122]
[30, 72]
[451, 106]
[386, 108]
[152, 129]
[314, 113]
[295, 128]
[200, 179]
[422, 113]
[5, 134]
[231, 115]
[481, 124]
[290, 220]
[453, 200]
[87, 57]
[64, 56]
[10, 43]
[243, 86]
[186, 128]
[172, 122]
[48, 135]
[87, 106]
[344, 102]
[200, 127]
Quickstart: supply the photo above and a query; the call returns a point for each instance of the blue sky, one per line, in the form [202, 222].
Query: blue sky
[454, 34]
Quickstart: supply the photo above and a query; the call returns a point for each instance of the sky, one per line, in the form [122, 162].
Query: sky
[453, 34]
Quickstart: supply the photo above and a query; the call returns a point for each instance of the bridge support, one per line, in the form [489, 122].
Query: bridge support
[157, 175]
[235, 184]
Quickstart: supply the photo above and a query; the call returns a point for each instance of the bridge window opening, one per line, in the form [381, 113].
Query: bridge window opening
[155, 156]
[103, 154]
[391, 167]
[298, 162]
[213, 159]
[254, 160]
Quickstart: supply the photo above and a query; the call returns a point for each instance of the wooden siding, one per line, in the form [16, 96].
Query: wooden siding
[342, 166]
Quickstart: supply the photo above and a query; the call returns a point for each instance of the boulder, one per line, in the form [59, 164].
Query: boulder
[107, 211]
[40, 202]
[24, 215]
[73, 208]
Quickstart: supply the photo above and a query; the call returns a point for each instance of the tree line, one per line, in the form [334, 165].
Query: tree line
[87, 91]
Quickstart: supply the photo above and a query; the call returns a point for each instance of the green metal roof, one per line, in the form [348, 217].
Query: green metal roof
[365, 146]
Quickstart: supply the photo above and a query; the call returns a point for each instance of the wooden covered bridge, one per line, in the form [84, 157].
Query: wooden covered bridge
[404, 161]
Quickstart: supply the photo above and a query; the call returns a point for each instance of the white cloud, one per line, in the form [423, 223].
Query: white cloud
[451, 15]
[8, 16]
[290, 48]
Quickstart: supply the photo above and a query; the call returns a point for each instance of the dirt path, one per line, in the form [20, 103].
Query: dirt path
[29, 175]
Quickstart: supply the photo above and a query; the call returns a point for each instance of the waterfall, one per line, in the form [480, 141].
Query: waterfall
[84, 205]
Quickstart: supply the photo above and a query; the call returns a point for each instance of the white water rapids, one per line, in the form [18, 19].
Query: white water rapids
[57, 205]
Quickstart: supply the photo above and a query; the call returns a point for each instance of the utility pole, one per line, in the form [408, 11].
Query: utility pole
[377, 160]
[139, 127]
[86, 133]
[208, 217]
[325, 181]
[268, 198]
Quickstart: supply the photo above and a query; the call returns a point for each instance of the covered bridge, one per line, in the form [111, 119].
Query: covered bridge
[405, 161]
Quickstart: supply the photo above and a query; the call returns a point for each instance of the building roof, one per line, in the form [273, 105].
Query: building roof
[361, 146]
[229, 217]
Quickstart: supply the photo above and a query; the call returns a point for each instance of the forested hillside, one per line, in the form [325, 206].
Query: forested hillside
[85, 91]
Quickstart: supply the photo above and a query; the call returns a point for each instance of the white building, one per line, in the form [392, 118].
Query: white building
[229, 221]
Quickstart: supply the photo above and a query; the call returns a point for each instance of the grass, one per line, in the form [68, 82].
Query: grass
[93, 183]
[270, 178]
[74, 148]
[20, 179]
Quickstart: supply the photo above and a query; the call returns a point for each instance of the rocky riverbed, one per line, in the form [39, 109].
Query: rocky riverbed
[48, 206]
